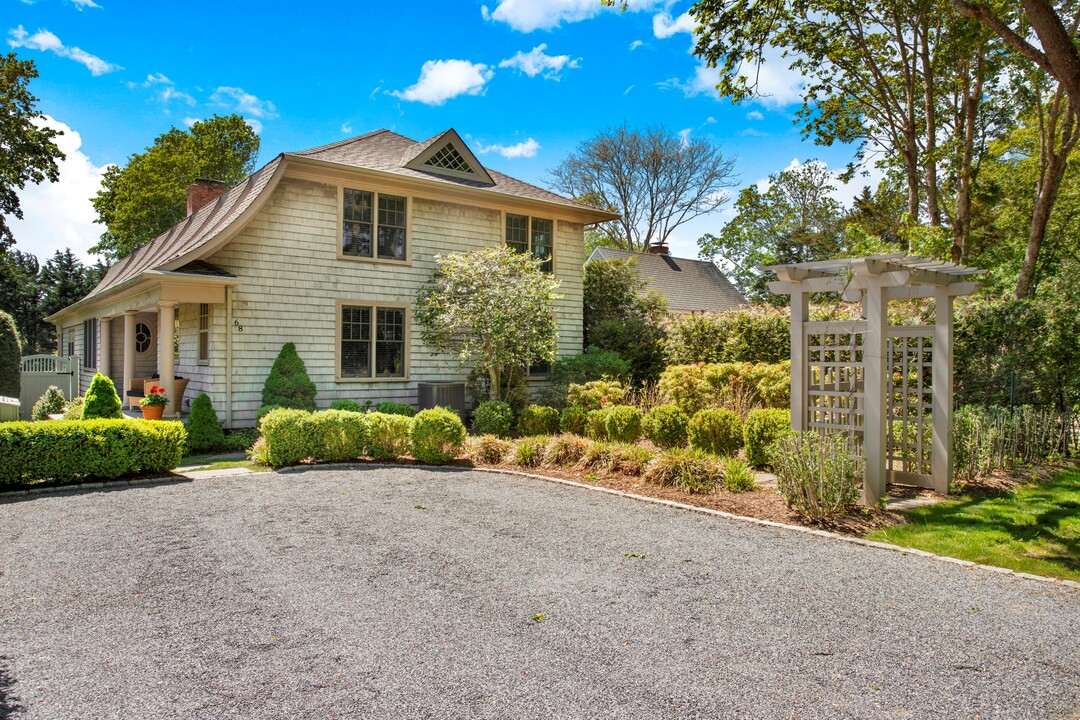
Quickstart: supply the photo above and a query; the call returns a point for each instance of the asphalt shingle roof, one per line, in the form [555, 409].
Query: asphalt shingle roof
[689, 285]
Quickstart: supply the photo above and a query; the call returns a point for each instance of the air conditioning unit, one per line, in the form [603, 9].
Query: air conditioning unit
[444, 394]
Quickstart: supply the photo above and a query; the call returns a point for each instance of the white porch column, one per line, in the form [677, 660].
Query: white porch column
[943, 390]
[874, 412]
[104, 346]
[166, 366]
[129, 355]
[800, 313]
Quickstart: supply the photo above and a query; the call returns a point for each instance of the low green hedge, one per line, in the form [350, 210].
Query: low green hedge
[87, 449]
[762, 429]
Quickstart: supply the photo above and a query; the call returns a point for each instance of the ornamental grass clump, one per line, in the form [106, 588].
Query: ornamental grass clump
[101, 401]
[529, 451]
[538, 420]
[762, 429]
[666, 426]
[492, 417]
[737, 475]
[819, 476]
[437, 435]
[626, 458]
[623, 424]
[572, 419]
[51, 402]
[565, 450]
[388, 435]
[204, 433]
[718, 431]
[488, 449]
[692, 470]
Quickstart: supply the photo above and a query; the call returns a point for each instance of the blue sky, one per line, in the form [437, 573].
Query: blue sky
[524, 81]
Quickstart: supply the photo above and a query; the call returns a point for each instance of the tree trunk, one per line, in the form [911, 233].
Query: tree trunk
[933, 198]
[493, 378]
[966, 128]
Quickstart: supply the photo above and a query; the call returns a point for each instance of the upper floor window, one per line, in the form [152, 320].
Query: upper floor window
[531, 235]
[373, 225]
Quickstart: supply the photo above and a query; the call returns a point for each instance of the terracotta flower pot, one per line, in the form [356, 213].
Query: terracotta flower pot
[152, 412]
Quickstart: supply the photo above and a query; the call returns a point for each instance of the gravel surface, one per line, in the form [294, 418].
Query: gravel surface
[413, 593]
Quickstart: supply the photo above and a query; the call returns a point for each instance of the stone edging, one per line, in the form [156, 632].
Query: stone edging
[1072, 584]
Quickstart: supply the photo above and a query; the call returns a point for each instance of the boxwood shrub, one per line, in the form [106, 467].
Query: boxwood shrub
[492, 417]
[538, 420]
[436, 435]
[762, 429]
[395, 408]
[572, 419]
[291, 436]
[666, 426]
[718, 431]
[388, 437]
[596, 424]
[87, 449]
[623, 424]
[343, 435]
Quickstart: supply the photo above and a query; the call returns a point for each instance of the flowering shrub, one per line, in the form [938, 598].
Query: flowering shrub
[155, 398]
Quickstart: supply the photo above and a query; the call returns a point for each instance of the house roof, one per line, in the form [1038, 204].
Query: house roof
[689, 285]
[380, 150]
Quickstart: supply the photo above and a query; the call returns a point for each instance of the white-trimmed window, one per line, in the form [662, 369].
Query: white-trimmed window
[89, 354]
[204, 333]
[373, 225]
[373, 340]
[531, 235]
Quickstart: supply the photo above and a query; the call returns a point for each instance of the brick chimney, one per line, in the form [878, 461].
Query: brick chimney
[203, 192]
[658, 249]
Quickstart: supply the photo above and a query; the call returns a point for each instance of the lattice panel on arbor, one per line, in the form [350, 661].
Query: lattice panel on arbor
[909, 398]
[834, 379]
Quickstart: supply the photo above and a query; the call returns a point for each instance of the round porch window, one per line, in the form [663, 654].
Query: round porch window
[143, 337]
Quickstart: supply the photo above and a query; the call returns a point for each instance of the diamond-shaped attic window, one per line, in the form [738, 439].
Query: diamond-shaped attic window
[450, 159]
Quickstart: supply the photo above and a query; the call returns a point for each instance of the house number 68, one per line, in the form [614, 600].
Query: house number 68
[238, 326]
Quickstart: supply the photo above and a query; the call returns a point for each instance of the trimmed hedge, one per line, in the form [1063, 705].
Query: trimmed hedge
[666, 426]
[572, 419]
[388, 437]
[762, 429]
[437, 435]
[291, 436]
[345, 404]
[492, 417]
[701, 386]
[538, 420]
[390, 407]
[87, 449]
[596, 424]
[623, 424]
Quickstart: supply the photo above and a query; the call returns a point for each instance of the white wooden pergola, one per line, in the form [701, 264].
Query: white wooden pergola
[889, 387]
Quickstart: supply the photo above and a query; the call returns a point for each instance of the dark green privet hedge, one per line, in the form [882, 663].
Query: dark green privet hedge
[10, 357]
[87, 449]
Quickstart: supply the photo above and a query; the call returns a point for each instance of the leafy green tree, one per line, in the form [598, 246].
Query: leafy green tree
[491, 309]
[288, 384]
[655, 179]
[20, 295]
[621, 314]
[29, 153]
[147, 196]
[795, 220]
[10, 357]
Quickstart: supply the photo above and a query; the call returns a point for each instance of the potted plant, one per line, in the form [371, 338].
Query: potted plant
[153, 404]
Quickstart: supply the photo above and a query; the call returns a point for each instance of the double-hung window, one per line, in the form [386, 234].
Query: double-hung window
[373, 225]
[372, 342]
[531, 235]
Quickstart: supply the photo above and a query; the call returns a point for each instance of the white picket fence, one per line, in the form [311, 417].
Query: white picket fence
[41, 371]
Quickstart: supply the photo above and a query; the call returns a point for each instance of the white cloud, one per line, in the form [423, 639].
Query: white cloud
[753, 132]
[441, 80]
[526, 148]
[46, 41]
[244, 103]
[628, 89]
[189, 121]
[157, 79]
[169, 94]
[85, 4]
[536, 61]
[776, 84]
[684, 136]
[529, 15]
[254, 125]
[346, 128]
[59, 215]
[709, 121]
[663, 26]
[635, 45]
[754, 115]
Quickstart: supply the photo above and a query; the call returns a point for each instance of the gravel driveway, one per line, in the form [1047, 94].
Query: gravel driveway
[409, 593]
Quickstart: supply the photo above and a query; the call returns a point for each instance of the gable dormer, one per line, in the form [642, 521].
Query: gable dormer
[447, 154]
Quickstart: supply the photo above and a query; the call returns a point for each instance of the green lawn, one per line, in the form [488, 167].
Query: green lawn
[1035, 529]
[214, 461]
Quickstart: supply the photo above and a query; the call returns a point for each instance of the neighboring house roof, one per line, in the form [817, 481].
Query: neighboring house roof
[689, 285]
[383, 151]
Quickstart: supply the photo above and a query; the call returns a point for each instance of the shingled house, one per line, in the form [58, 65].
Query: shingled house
[325, 248]
[689, 285]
